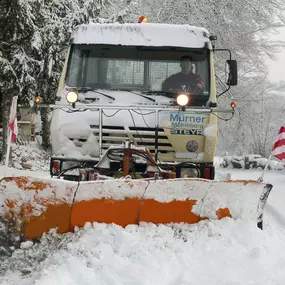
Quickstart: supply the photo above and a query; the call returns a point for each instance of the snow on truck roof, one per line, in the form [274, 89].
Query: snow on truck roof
[146, 34]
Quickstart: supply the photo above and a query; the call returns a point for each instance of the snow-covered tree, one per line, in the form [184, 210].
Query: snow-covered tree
[17, 65]
[257, 119]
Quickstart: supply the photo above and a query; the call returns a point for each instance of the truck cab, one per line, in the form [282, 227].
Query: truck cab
[153, 84]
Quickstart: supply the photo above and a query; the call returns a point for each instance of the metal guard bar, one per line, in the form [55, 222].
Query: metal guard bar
[98, 107]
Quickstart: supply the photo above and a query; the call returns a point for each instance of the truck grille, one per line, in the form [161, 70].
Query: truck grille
[116, 135]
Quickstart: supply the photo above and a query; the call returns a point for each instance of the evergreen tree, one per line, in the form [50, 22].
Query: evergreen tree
[17, 65]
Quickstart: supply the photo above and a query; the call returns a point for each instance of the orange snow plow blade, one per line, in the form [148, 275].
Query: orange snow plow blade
[34, 206]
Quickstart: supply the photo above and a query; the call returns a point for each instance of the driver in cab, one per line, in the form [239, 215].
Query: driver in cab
[185, 80]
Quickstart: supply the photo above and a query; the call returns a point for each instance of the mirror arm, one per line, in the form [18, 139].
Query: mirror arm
[228, 88]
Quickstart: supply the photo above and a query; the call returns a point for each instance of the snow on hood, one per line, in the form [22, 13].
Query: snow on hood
[67, 125]
[210, 130]
[149, 34]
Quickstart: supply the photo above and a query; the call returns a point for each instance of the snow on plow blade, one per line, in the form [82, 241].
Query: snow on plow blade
[33, 206]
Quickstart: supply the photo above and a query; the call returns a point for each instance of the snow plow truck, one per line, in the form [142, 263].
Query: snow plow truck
[134, 134]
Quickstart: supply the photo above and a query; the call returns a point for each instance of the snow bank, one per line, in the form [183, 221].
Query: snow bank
[216, 253]
[29, 157]
[27, 244]
[250, 161]
[149, 34]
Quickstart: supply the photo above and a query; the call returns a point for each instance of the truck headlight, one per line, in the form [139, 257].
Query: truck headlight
[71, 97]
[189, 173]
[182, 99]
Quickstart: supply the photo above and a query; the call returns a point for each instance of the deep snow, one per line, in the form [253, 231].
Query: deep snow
[220, 252]
[224, 252]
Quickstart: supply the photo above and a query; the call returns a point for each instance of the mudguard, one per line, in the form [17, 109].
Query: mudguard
[33, 205]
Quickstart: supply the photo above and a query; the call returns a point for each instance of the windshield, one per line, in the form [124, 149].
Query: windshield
[142, 69]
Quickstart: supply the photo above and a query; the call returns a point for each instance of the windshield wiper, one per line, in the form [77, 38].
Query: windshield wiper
[86, 89]
[146, 97]
[169, 94]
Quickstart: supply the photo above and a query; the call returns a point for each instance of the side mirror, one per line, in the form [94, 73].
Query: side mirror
[231, 72]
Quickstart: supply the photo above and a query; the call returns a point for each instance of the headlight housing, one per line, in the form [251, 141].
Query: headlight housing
[189, 173]
[182, 99]
[71, 97]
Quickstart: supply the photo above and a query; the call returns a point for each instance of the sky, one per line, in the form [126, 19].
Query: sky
[276, 68]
